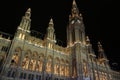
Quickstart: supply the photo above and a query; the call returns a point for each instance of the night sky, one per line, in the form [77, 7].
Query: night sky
[100, 18]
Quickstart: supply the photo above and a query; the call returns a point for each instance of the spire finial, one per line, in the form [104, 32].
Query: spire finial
[99, 45]
[51, 21]
[28, 10]
[75, 11]
[87, 38]
[74, 2]
[100, 48]
[28, 13]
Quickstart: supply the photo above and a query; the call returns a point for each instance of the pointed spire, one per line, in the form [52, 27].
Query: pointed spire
[26, 21]
[28, 13]
[87, 40]
[75, 11]
[74, 2]
[50, 31]
[28, 10]
[100, 47]
[51, 21]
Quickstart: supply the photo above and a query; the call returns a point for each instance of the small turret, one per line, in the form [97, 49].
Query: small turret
[50, 38]
[89, 47]
[87, 40]
[101, 54]
[50, 31]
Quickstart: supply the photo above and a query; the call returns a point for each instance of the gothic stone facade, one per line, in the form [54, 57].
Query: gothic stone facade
[26, 57]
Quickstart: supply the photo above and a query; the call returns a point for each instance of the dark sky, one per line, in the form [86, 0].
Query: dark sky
[100, 18]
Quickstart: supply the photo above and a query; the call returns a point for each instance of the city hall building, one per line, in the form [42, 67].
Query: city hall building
[27, 57]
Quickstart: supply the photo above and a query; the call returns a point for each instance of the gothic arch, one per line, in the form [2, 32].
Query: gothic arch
[16, 55]
[57, 60]
[41, 55]
[39, 63]
[62, 61]
[33, 61]
[49, 64]
[26, 59]
[35, 54]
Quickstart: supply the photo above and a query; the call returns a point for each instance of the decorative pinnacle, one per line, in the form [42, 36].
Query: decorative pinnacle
[87, 39]
[75, 11]
[100, 47]
[74, 2]
[28, 10]
[28, 13]
[51, 21]
[99, 44]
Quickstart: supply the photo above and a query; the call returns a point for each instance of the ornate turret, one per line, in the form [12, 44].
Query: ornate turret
[89, 47]
[26, 21]
[101, 54]
[75, 12]
[50, 37]
[24, 27]
[75, 29]
[50, 31]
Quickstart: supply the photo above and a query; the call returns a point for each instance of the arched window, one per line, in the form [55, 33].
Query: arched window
[49, 64]
[26, 60]
[40, 63]
[33, 61]
[62, 69]
[67, 68]
[56, 66]
[15, 57]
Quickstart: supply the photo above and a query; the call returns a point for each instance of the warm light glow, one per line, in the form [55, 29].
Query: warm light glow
[20, 35]
[25, 63]
[23, 36]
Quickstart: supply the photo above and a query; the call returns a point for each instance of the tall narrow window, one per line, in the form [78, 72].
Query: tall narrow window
[25, 63]
[20, 35]
[49, 64]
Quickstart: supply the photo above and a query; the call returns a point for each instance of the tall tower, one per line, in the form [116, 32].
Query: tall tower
[76, 42]
[16, 52]
[50, 36]
[75, 29]
[24, 27]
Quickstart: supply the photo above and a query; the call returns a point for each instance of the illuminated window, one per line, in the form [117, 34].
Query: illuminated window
[15, 57]
[49, 64]
[25, 63]
[20, 35]
[23, 36]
